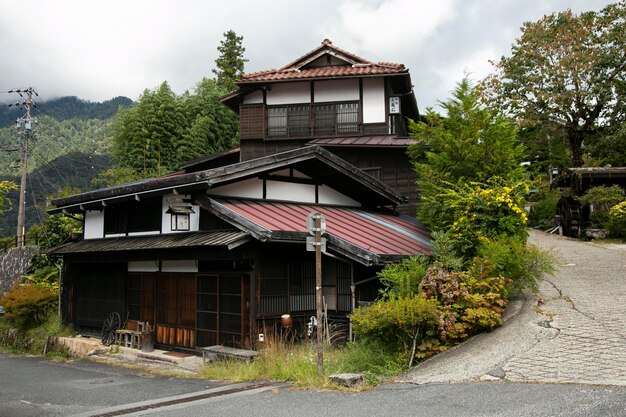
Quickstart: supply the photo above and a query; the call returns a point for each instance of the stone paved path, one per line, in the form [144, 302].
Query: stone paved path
[574, 330]
[584, 310]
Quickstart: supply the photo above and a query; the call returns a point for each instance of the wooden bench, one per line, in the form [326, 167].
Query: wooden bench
[132, 336]
[218, 351]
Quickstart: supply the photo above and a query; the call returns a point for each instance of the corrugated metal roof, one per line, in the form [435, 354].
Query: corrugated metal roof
[378, 232]
[228, 238]
[373, 141]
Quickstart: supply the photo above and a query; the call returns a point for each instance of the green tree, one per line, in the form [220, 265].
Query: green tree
[471, 145]
[566, 73]
[145, 136]
[212, 127]
[230, 62]
[5, 187]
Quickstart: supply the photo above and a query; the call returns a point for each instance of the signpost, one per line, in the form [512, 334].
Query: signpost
[316, 224]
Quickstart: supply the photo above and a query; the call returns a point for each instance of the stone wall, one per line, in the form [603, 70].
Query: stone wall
[14, 263]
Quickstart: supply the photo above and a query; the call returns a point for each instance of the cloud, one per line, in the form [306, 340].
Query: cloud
[389, 26]
[99, 49]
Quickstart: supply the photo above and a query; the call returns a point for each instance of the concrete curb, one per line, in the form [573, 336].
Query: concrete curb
[483, 354]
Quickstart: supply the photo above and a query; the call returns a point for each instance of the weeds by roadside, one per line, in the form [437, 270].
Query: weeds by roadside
[287, 361]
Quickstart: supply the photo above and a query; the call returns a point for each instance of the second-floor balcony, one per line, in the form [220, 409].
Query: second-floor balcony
[305, 120]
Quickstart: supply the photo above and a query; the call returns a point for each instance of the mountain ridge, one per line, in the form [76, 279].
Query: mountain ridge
[65, 108]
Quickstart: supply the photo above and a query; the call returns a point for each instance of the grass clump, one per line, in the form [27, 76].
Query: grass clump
[288, 361]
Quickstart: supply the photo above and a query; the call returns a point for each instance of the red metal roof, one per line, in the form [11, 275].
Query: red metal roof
[378, 232]
[374, 141]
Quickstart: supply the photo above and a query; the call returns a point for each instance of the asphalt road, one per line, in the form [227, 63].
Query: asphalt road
[40, 387]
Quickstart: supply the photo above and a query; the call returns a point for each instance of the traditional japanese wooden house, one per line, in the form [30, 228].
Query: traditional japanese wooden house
[330, 97]
[212, 253]
[209, 256]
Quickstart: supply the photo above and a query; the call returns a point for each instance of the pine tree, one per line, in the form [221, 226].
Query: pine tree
[230, 62]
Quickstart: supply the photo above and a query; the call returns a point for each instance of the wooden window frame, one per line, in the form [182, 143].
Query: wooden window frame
[314, 119]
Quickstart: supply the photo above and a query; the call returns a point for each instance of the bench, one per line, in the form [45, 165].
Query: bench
[209, 353]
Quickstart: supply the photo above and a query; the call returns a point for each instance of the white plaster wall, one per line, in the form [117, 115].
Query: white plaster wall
[323, 61]
[336, 90]
[289, 172]
[179, 266]
[289, 191]
[94, 224]
[147, 233]
[166, 218]
[251, 188]
[373, 100]
[288, 93]
[328, 195]
[255, 97]
[143, 266]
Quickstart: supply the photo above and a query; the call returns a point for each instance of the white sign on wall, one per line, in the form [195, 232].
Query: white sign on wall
[394, 105]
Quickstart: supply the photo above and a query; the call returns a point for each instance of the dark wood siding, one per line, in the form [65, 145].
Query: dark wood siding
[252, 121]
[99, 290]
[176, 310]
[391, 166]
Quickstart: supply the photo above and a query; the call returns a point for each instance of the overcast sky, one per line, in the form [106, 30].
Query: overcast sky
[97, 49]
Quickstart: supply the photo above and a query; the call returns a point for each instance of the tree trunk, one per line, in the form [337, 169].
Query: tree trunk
[575, 140]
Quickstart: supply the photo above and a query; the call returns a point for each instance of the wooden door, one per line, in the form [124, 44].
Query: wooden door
[175, 310]
[222, 317]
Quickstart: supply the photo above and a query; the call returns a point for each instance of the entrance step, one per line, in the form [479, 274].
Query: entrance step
[211, 353]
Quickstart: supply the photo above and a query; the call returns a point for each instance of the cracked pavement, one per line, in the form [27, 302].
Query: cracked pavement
[572, 331]
[585, 305]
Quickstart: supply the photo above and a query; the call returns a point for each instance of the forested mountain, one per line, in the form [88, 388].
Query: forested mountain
[72, 171]
[66, 108]
[70, 146]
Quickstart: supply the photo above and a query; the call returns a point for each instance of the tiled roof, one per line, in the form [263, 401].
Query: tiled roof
[365, 141]
[324, 72]
[381, 234]
[328, 47]
[227, 238]
[355, 66]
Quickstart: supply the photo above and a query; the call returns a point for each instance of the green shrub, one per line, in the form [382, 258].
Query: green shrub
[47, 277]
[543, 211]
[599, 219]
[473, 211]
[403, 279]
[603, 197]
[400, 323]
[617, 220]
[32, 341]
[26, 306]
[524, 265]
[467, 304]
[372, 357]
[445, 252]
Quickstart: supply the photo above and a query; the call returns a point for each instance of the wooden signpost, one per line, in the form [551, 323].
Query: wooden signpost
[316, 224]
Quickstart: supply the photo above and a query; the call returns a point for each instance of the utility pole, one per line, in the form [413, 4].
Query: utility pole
[316, 224]
[25, 122]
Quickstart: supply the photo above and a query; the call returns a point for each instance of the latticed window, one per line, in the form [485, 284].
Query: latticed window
[325, 119]
[277, 121]
[274, 288]
[336, 118]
